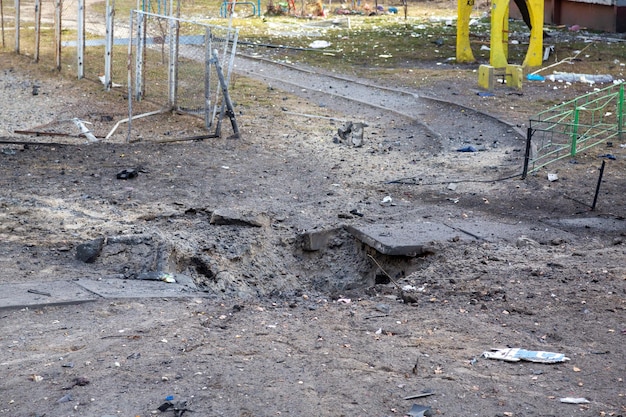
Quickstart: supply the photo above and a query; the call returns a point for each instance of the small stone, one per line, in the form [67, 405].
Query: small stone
[89, 252]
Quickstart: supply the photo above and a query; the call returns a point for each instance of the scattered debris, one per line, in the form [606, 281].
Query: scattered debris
[425, 393]
[386, 200]
[547, 51]
[572, 400]
[157, 276]
[553, 177]
[31, 291]
[228, 217]
[583, 78]
[179, 407]
[383, 308]
[353, 133]
[467, 149]
[66, 398]
[535, 77]
[127, 174]
[89, 252]
[608, 156]
[517, 354]
[319, 44]
[84, 130]
[420, 411]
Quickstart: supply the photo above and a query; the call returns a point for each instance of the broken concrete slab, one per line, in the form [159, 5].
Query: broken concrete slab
[88, 252]
[129, 288]
[38, 294]
[415, 239]
[600, 224]
[317, 239]
[403, 239]
[234, 218]
[493, 231]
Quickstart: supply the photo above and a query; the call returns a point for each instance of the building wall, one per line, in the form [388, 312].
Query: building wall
[602, 15]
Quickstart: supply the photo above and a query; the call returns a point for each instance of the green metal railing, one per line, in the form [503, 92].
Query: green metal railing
[575, 126]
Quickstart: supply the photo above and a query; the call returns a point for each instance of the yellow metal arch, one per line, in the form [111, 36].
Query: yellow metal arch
[498, 56]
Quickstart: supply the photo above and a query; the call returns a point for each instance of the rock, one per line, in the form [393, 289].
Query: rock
[89, 252]
[316, 240]
[383, 308]
[230, 217]
[523, 242]
[410, 296]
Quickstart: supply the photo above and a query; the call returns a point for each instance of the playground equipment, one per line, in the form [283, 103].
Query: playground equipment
[228, 7]
[499, 39]
[572, 127]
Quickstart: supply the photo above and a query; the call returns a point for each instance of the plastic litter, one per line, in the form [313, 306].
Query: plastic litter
[553, 177]
[65, 399]
[583, 78]
[467, 149]
[535, 77]
[572, 400]
[319, 44]
[608, 156]
[419, 411]
[517, 354]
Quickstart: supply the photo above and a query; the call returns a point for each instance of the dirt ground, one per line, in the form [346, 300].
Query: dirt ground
[273, 327]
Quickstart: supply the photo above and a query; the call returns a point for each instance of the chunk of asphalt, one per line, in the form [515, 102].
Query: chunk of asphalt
[89, 252]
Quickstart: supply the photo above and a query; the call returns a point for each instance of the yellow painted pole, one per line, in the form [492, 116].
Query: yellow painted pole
[499, 16]
[534, 55]
[463, 48]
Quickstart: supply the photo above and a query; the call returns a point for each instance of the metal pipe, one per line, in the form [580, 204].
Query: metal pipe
[529, 137]
[595, 197]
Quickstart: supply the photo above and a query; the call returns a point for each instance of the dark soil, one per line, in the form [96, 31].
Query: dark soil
[274, 328]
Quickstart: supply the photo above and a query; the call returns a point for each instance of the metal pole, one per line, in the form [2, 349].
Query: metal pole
[2, 22]
[17, 26]
[108, 48]
[529, 138]
[57, 33]
[574, 132]
[173, 57]
[207, 78]
[620, 112]
[139, 55]
[129, 66]
[595, 197]
[229, 105]
[37, 28]
[80, 40]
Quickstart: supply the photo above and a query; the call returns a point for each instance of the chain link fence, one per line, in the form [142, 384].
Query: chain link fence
[30, 28]
[181, 65]
[174, 63]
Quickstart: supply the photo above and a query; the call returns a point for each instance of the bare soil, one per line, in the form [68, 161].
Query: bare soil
[273, 328]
